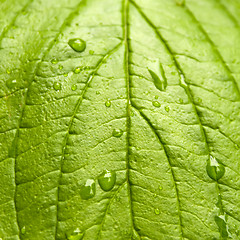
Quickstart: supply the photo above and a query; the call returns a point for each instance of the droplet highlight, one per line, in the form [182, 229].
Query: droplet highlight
[117, 133]
[107, 180]
[167, 109]
[77, 70]
[215, 170]
[88, 190]
[156, 104]
[77, 44]
[57, 86]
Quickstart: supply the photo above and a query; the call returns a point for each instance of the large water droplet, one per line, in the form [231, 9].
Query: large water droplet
[107, 180]
[222, 226]
[77, 44]
[160, 83]
[88, 190]
[215, 170]
[156, 104]
[57, 86]
[108, 103]
[117, 133]
[11, 83]
[77, 234]
[23, 230]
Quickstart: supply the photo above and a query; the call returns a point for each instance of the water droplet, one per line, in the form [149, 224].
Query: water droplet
[215, 170]
[117, 133]
[160, 188]
[222, 226]
[97, 92]
[156, 97]
[11, 83]
[77, 70]
[156, 104]
[88, 190]
[155, 195]
[160, 84]
[65, 75]
[91, 52]
[60, 67]
[54, 61]
[77, 234]
[199, 100]
[8, 71]
[57, 86]
[157, 211]
[107, 180]
[77, 44]
[74, 87]
[180, 100]
[23, 230]
[108, 103]
[167, 109]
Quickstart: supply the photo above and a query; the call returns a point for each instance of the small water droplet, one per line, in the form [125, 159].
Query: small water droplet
[108, 103]
[155, 195]
[215, 170]
[199, 100]
[88, 190]
[156, 97]
[156, 104]
[11, 83]
[8, 71]
[160, 188]
[77, 234]
[77, 44]
[157, 211]
[54, 61]
[65, 75]
[60, 67]
[167, 109]
[117, 133]
[91, 52]
[74, 87]
[23, 230]
[97, 92]
[180, 100]
[77, 70]
[57, 86]
[107, 180]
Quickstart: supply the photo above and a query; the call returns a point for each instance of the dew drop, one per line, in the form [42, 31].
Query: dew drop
[199, 100]
[180, 100]
[156, 104]
[156, 97]
[117, 133]
[65, 75]
[97, 92]
[88, 190]
[74, 87]
[108, 103]
[107, 180]
[77, 234]
[77, 44]
[23, 230]
[215, 170]
[8, 71]
[160, 188]
[11, 83]
[60, 67]
[157, 211]
[57, 86]
[77, 70]
[54, 61]
[167, 109]
[91, 52]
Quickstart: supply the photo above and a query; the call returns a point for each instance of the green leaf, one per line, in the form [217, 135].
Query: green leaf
[119, 119]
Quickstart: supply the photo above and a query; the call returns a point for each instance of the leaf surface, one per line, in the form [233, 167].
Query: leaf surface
[119, 119]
